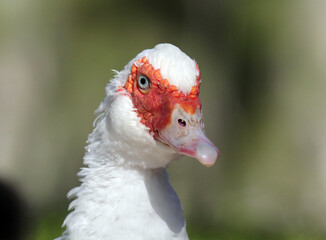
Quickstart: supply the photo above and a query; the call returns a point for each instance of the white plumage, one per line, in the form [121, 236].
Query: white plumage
[125, 191]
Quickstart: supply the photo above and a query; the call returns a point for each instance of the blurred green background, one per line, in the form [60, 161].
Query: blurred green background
[263, 94]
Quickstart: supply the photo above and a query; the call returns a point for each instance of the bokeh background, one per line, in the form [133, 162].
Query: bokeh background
[263, 94]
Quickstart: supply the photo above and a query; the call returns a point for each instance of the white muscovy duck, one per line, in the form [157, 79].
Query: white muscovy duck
[151, 114]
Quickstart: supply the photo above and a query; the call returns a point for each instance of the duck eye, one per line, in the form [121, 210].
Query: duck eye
[143, 82]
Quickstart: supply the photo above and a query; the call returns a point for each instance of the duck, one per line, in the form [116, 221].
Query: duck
[150, 116]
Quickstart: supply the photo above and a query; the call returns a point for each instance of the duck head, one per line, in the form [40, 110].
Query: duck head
[162, 86]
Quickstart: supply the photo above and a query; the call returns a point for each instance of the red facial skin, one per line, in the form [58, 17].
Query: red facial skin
[155, 105]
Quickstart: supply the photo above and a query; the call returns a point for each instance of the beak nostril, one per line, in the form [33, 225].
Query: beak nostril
[182, 122]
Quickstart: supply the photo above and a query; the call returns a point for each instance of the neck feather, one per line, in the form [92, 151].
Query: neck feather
[118, 199]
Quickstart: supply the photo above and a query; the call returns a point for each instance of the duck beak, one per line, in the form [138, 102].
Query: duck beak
[185, 135]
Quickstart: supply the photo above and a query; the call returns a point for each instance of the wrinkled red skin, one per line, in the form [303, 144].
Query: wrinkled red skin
[155, 106]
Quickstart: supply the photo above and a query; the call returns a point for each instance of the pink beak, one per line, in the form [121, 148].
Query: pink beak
[185, 135]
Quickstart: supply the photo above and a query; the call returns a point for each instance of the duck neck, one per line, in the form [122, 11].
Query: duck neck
[123, 197]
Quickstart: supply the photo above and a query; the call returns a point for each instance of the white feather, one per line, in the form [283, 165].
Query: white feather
[174, 65]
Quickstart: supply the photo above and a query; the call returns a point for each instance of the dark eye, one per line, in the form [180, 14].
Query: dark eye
[143, 82]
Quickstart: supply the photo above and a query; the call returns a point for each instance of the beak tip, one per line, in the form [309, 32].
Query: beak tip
[207, 154]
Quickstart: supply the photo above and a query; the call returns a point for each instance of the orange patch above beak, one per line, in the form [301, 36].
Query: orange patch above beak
[155, 105]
